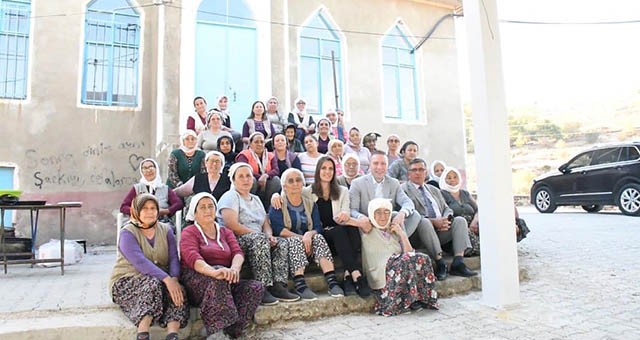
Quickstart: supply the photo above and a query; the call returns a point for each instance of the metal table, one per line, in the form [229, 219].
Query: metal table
[34, 214]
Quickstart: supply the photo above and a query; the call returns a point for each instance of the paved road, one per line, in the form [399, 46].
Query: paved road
[585, 284]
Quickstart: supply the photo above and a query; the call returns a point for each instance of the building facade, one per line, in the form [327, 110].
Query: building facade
[93, 87]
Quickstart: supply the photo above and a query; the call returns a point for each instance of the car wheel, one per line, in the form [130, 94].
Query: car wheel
[592, 208]
[544, 200]
[629, 199]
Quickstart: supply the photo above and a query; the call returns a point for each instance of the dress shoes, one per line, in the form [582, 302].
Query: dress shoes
[442, 270]
[460, 269]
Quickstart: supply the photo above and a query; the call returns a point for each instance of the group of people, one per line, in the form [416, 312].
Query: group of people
[281, 195]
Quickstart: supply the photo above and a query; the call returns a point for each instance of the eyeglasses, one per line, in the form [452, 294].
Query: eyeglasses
[294, 180]
[394, 141]
[418, 170]
[148, 168]
[215, 161]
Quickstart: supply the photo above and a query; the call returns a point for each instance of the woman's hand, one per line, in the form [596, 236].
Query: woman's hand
[307, 240]
[342, 217]
[262, 181]
[474, 227]
[397, 229]
[175, 290]
[276, 203]
[272, 240]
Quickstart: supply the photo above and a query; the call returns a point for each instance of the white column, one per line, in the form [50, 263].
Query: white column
[499, 260]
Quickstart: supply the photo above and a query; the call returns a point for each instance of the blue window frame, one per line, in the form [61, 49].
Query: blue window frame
[226, 12]
[317, 40]
[111, 54]
[399, 77]
[15, 21]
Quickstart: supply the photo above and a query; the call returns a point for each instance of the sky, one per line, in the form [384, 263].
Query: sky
[559, 66]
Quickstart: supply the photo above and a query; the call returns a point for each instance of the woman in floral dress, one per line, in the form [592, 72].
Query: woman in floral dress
[402, 280]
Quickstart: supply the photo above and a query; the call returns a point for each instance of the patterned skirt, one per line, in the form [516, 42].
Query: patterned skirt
[223, 306]
[409, 279]
[142, 295]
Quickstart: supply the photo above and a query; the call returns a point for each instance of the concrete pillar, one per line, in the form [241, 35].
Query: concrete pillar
[500, 279]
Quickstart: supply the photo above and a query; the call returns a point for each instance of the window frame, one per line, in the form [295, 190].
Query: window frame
[26, 90]
[109, 103]
[397, 67]
[323, 15]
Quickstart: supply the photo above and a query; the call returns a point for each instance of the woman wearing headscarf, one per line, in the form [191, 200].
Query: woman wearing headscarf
[244, 214]
[369, 141]
[257, 122]
[324, 135]
[151, 183]
[197, 121]
[402, 280]
[303, 120]
[227, 147]
[400, 168]
[208, 139]
[222, 108]
[211, 264]
[393, 142]
[350, 170]
[144, 279]
[354, 146]
[186, 161]
[336, 152]
[286, 159]
[264, 166]
[274, 116]
[298, 221]
[214, 182]
[437, 167]
[463, 204]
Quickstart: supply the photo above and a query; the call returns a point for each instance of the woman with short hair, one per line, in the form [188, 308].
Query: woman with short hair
[286, 159]
[400, 168]
[144, 281]
[208, 139]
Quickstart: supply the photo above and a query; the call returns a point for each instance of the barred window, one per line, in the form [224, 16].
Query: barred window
[111, 54]
[14, 48]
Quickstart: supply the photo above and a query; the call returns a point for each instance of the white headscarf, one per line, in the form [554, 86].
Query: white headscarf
[191, 216]
[347, 157]
[330, 146]
[223, 114]
[379, 203]
[215, 153]
[432, 173]
[182, 138]
[235, 166]
[443, 183]
[156, 182]
[305, 120]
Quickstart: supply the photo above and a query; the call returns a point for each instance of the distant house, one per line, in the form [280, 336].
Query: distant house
[89, 88]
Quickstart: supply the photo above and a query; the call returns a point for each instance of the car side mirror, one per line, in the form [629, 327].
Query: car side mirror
[564, 169]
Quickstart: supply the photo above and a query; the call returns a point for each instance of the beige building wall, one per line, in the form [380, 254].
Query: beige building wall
[64, 150]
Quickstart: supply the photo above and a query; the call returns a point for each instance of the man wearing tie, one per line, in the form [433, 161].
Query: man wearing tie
[430, 204]
[377, 184]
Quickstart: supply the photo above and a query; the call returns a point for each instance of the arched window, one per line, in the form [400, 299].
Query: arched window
[318, 39]
[111, 53]
[228, 12]
[399, 77]
[14, 48]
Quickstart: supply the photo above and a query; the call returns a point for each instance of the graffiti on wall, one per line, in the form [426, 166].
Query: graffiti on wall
[90, 166]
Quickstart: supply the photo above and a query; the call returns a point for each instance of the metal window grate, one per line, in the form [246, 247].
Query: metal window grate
[111, 59]
[15, 23]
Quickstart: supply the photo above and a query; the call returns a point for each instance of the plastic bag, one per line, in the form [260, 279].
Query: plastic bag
[73, 252]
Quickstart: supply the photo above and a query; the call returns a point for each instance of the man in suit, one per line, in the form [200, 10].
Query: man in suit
[430, 204]
[377, 184]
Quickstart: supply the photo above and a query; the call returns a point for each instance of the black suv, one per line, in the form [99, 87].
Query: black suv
[604, 175]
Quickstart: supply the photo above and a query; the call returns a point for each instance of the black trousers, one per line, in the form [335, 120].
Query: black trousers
[345, 242]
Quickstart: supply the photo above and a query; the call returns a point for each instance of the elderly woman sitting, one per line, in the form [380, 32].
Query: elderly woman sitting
[186, 161]
[264, 167]
[350, 170]
[402, 280]
[151, 183]
[243, 213]
[144, 280]
[299, 222]
[211, 264]
[336, 152]
[213, 182]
